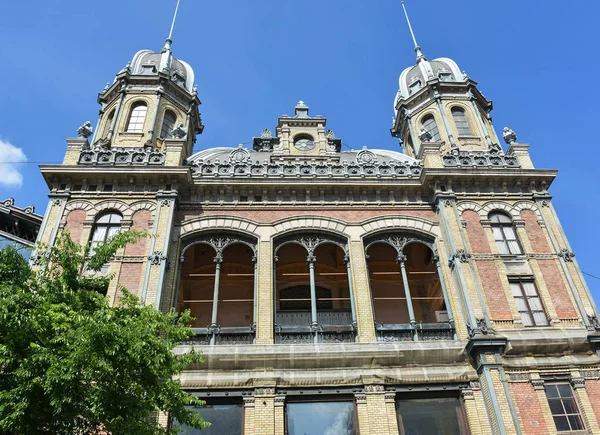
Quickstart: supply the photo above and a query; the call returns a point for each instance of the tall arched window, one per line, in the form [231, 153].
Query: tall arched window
[137, 117]
[504, 234]
[430, 125]
[460, 120]
[106, 226]
[168, 124]
[109, 121]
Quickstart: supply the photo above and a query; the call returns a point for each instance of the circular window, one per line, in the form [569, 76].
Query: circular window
[304, 143]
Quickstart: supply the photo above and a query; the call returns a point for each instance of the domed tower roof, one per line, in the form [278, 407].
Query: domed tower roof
[148, 62]
[415, 77]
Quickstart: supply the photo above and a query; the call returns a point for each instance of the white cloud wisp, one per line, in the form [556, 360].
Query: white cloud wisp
[10, 159]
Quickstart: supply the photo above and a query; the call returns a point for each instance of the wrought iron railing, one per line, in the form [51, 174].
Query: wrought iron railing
[222, 336]
[414, 332]
[314, 334]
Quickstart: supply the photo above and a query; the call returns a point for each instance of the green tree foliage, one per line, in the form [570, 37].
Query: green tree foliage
[72, 364]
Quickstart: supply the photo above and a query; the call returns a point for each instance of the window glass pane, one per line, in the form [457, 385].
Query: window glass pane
[99, 234]
[429, 416]
[430, 125]
[460, 120]
[526, 318]
[167, 125]
[570, 406]
[565, 390]
[530, 289]
[514, 247]
[502, 247]
[136, 120]
[509, 232]
[516, 289]
[576, 422]
[497, 233]
[224, 420]
[320, 418]
[535, 304]
[551, 391]
[521, 304]
[561, 423]
[111, 232]
[540, 318]
[556, 407]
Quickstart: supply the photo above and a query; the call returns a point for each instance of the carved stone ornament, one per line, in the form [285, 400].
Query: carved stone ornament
[590, 374]
[480, 328]
[239, 155]
[460, 255]
[165, 203]
[425, 135]
[366, 157]
[488, 159]
[578, 383]
[8, 202]
[509, 136]
[178, 132]
[56, 202]
[467, 395]
[264, 392]
[85, 130]
[329, 134]
[538, 384]
[520, 377]
[121, 157]
[156, 258]
[594, 322]
[266, 134]
[566, 255]
[374, 388]
[29, 209]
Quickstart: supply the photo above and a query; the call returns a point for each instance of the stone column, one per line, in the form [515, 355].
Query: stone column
[411, 312]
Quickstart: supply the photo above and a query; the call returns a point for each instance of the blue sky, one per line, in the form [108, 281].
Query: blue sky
[537, 61]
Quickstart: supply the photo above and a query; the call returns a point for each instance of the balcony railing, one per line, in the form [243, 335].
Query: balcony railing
[222, 336]
[417, 332]
[294, 327]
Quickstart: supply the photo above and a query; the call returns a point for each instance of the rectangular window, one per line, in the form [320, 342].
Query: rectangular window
[322, 417]
[226, 417]
[442, 416]
[506, 240]
[563, 406]
[528, 303]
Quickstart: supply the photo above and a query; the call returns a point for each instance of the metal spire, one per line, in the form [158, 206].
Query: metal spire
[174, 17]
[412, 33]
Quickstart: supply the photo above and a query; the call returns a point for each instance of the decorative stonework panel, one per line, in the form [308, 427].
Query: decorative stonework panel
[118, 157]
[461, 159]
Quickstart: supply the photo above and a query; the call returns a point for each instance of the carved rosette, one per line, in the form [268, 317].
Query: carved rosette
[156, 258]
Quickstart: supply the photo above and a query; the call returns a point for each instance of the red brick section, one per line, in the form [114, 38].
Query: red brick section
[130, 276]
[529, 408]
[268, 215]
[553, 278]
[476, 233]
[75, 225]
[141, 222]
[535, 233]
[492, 287]
[592, 387]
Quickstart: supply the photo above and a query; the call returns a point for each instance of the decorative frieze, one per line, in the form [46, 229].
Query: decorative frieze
[480, 159]
[590, 374]
[117, 157]
[519, 377]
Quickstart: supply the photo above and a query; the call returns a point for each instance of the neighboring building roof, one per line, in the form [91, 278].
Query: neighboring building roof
[19, 224]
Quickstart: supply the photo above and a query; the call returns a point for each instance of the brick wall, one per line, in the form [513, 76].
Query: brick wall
[494, 293]
[529, 409]
[553, 278]
[535, 234]
[130, 277]
[476, 233]
[75, 225]
[141, 222]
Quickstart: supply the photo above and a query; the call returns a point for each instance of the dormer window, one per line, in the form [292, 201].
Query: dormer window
[137, 117]
[414, 85]
[178, 77]
[445, 75]
[148, 68]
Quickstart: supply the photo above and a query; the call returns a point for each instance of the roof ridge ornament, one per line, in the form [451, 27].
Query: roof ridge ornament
[420, 55]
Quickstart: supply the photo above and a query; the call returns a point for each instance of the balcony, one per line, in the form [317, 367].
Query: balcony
[415, 332]
[294, 327]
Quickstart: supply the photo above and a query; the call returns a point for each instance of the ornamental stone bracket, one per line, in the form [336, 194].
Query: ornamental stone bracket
[566, 255]
[118, 157]
[489, 159]
[461, 256]
[156, 258]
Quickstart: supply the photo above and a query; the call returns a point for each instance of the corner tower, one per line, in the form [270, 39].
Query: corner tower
[437, 102]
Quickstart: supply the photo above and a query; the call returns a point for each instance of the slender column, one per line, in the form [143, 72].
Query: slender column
[275, 260]
[255, 306]
[311, 260]
[480, 119]
[436, 260]
[415, 139]
[117, 113]
[213, 325]
[411, 313]
[443, 115]
[351, 290]
[100, 113]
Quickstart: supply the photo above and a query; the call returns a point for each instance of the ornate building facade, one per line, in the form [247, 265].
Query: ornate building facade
[19, 227]
[426, 291]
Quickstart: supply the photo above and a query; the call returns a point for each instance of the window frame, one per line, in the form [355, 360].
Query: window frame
[461, 123]
[560, 398]
[505, 240]
[434, 137]
[463, 421]
[104, 225]
[134, 125]
[234, 400]
[526, 298]
[162, 125]
[320, 399]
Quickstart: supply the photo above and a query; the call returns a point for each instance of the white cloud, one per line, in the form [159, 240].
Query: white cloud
[10, 159]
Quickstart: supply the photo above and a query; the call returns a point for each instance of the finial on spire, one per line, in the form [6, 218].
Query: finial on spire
[173, 22]
[412, 33]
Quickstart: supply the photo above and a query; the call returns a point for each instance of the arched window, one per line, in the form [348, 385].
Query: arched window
[430, 125]
[106, 226]
[460, 120]
[109, 121]
[504, 234]
[137, 117]
[168, 124]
